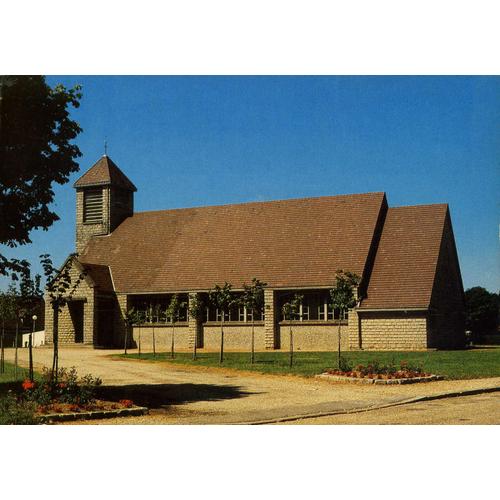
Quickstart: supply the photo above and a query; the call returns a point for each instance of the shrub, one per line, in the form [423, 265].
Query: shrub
[344, 364]
[16, 411]
[69, 388]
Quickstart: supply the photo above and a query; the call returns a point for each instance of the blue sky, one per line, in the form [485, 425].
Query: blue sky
[191, 141]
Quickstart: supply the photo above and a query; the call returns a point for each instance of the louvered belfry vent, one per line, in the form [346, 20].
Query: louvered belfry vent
[92, 206]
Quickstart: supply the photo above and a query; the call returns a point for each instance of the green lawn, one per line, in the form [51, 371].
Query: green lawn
[474, 363]
[8, 380]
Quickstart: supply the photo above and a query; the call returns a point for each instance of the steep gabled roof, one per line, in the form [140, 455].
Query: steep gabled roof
[105, 172]
[289, 243]
[405, 264]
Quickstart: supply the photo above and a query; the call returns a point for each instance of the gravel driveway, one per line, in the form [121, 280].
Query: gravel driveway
[202, 395]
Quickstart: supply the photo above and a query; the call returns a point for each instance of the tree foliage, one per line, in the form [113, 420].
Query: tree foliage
[36, 150]
[342, 295]
[482, 311]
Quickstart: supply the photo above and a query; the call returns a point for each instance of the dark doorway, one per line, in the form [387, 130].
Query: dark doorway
[76, 313]
[105, 318]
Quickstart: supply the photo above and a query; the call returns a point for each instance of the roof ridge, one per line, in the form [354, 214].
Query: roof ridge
[423, 205]
[261, 202]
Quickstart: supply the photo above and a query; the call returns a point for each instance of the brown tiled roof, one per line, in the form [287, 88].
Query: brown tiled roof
[105, 172]
[405, 263]
[288, 243]
[101, 276]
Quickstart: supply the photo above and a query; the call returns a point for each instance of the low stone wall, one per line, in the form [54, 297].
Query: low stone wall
[236, 337]
[163, 337]
[313, 337]
[395, 331]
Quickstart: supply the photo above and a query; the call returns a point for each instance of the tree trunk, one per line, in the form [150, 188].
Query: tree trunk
[154, 343]
[291, 345]
[2, 350]
[139, 345]
[221, 357]
[172, 355]
[55, 340]
[15, 347]
[252, 358]
[30, 346]
[339, 330]
[195, 340]
[126, 339]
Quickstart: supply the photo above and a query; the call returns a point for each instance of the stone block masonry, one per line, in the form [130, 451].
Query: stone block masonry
[396, 331]
[270, 319]
[67, 317]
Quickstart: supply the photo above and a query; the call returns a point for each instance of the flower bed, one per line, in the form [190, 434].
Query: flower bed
[69, 397]
[375, 373]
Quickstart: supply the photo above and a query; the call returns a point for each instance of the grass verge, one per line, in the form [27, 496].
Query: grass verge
[473, 363]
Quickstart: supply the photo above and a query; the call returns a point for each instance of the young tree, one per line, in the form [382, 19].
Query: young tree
[291, 311]
[253, 300]
[60, 290]
[173, 311]
[343, 298]
[30, 295]
[7, 313]
[36, 150]
[155, 315]
[195, 309]
[222, 298]
[132, 317]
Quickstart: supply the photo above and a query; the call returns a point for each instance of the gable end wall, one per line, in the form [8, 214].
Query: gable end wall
[447, 311]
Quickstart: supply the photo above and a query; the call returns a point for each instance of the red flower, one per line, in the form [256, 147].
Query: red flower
[126, 402]
[28, 384]
[62, 385]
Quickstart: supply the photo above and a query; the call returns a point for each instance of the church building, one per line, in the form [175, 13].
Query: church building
[410, 296]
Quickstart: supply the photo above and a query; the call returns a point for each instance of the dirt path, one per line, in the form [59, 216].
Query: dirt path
[198, 395]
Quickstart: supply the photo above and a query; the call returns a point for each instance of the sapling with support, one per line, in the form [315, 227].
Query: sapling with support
[343, 298]
[221, 298]
[291, 312]
[172, 312]
[60, 289]
[253, 301]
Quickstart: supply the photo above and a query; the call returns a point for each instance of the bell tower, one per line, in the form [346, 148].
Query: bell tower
[104, 198]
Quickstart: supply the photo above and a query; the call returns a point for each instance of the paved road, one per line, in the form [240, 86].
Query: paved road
[197, 395]
[480, 409]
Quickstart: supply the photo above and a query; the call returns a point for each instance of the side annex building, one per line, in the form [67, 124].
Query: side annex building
[410, 297]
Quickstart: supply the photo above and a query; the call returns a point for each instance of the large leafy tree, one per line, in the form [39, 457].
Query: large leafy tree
[482, 311]
[36, 150]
